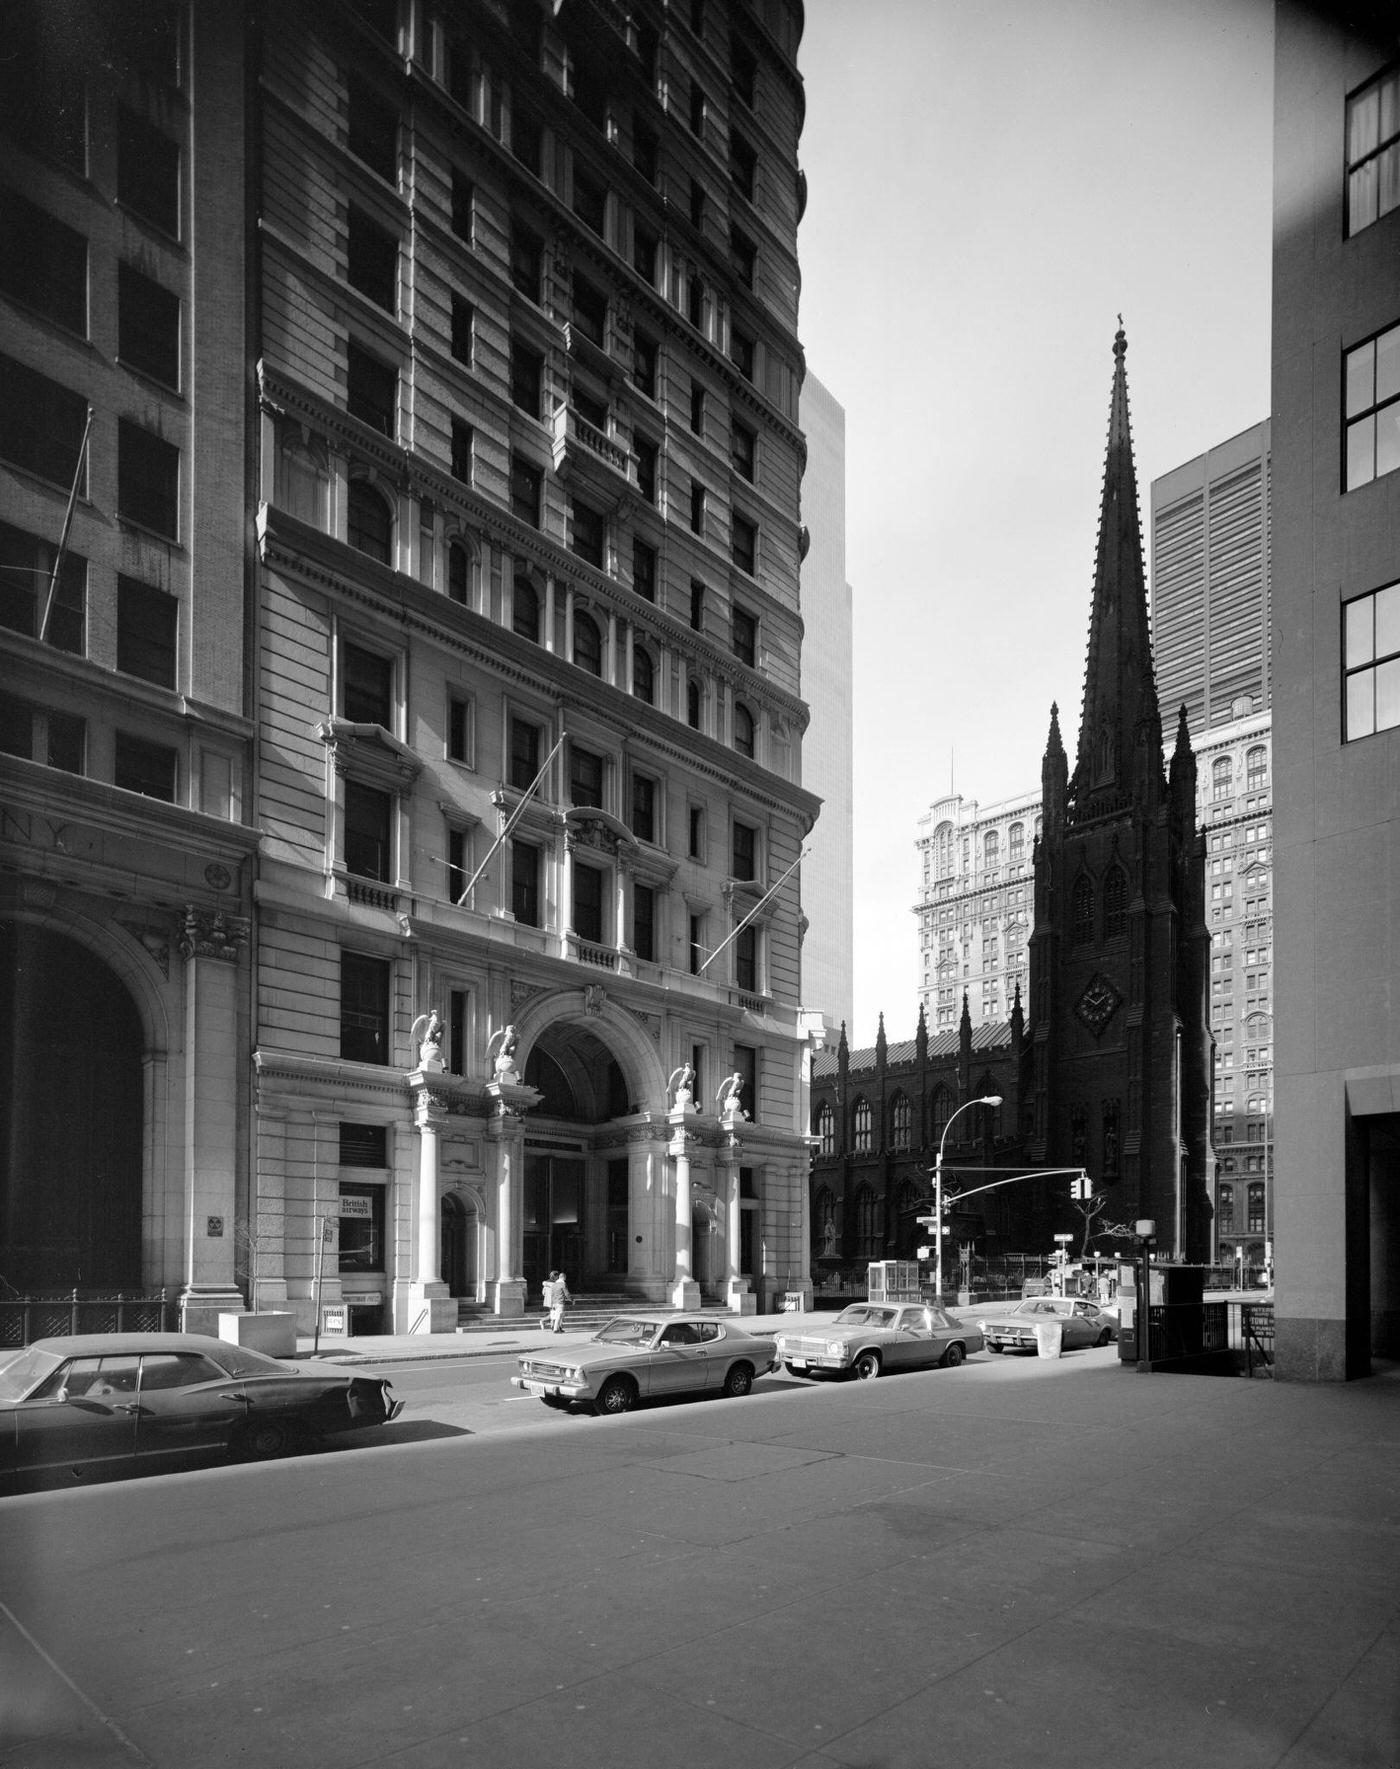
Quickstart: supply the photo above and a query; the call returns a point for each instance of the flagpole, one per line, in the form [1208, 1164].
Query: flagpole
[510, 822]
[67, 524]
[752, 912]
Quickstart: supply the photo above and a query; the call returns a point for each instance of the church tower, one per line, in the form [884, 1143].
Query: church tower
[1119, 1049]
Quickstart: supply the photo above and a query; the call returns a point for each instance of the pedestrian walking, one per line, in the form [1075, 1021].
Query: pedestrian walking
[556, 1294]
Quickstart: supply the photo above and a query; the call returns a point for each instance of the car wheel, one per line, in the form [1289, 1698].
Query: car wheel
[866, 1367]
[955, 1355]
[1103, 1337]
[264, 1440]
[738, 1380]
[559, 1402]
[617, 1395]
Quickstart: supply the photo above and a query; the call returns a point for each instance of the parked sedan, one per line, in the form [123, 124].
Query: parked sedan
[108, 1404]
[637, 1357]
[1013, 1328]
[870, 1337]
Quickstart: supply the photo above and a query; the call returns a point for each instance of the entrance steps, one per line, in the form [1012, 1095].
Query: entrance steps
[585, 1314]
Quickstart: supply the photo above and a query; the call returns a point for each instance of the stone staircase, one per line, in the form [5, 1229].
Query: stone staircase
[585, 1314]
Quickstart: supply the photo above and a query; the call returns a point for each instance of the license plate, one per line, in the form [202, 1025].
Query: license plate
[535, 1386]
[798, 1363]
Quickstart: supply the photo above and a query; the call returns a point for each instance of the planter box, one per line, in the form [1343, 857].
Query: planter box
[275, 1334]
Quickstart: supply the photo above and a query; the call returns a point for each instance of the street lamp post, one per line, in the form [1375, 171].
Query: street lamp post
[991, 1099]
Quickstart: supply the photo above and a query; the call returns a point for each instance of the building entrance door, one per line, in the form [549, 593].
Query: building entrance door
[554, 1218]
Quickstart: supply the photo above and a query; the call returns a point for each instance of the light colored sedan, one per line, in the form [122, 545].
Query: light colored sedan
[638, 1357]
[1013, 1329]
[870, 1337]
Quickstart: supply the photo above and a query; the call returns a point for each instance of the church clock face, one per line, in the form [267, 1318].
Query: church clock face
[1098, 1004]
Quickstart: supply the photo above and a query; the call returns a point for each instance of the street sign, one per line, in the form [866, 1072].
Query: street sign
[1064, 1237]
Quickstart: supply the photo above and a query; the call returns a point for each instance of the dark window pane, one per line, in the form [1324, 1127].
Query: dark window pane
[590, 310]
[524, 753]
[372, 259]
[745, 849]
[148, 172]
[526, 377]
[367, 687]
[643, 821]
[148, 479]
[371, 389]
[644, 569]
[368, 815]
[370, 527]
[463, 206]
[525, 484]
[525, 883]
[16, 728]
[148, 326]
[144, 767]
[746, 960]
[585, 777]
[527, 141]
[588, 646]
[644, 921]
[644, 364]
[525, 610]
[44, 263]
[644, 253]
[645, 151]
[67, 734]
[43, 103]
[147, 623]
[743, 730]
[526, 262]
[745, 636]
[458, 572]
[643, 676]
[361, 1225]
[463, 329]
[743, 445]
[26, 570]
[589, 532]
[588, 903]
[364, 1008]
[41, 424]
[590, 203]
[744, 544]
[374, 130]
[462, 440]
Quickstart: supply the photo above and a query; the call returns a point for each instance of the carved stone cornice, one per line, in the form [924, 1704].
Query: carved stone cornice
[210, 933]
[431, 1105]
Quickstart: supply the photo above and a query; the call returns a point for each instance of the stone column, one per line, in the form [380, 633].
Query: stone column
[210, 943]
[505, 1146]
[430, 1308]
[685, 1292]
[737, 1291]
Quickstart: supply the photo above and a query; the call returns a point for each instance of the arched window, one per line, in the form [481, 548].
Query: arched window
[588, 645]
[369, 527]
[1225, 1209]
[1221, 774]
[868, 1237]
[743, 729]
[991, 849]
[900, 1122]
[943, 849]
[1081, 910]
[525, 610]
[940, 1110]
[1115, 903]
[643, 675]
[825, 1128]
[459, 573]
[1018, 843]
[824, 1234]
[1256, 768]
[692, 704]
[862, 1127]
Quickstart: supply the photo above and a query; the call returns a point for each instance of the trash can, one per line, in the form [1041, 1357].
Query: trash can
[1049, 1338]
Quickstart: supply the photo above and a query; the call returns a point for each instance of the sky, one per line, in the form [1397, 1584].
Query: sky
[991, 183]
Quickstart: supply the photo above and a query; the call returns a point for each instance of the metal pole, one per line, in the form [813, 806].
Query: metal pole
[990, 1099]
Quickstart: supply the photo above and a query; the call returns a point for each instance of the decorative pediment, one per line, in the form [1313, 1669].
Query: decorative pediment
[589, 827]
[370, 753]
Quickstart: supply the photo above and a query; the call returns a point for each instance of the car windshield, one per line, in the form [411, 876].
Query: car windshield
[863, 1315]
[625, 1332]
[22, 1373]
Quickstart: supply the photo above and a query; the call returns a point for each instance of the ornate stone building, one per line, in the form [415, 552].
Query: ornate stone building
[1120, 1048]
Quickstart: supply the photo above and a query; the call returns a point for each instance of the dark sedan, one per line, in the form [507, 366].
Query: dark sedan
[99, 1406]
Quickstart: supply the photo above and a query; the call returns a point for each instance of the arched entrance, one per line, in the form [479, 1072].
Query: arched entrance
[71, 1045]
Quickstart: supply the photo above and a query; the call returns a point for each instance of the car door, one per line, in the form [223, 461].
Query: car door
[1081, 1328]
[188, 1407]
[910, 1343]
[683, 1362]
[81, 1424]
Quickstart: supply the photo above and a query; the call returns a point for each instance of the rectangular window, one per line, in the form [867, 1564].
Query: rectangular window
[743, 163]
[745, 636]
[366, 686]
[148, 479]
[364, 1008]
[698, 953]
[741, 352]
[526, 377]
[41, 735]
[1372, 379]
[588, 530]
[590, 203]
[525, 883]
[41, 425]
[372, 259]
[361, 1226]
[746, 1066]
[698, 109]
[148, 172]
[463, 330]
[147, 622]
[43, 103]
[458, 859]
[644, 254]
[526, 483]
[148, 326]
[588, 903]
[463, 206]
[743, 72]
[743, 450]
[526, 262]
[696, 847]
[644, 922]
[743, 544]
[644, 569]
[590, 310]
[743, 254]
[697, 211]
[646, 151]
[644, 364]
[364, 1145]
[26, 570]
[647, 458]
[1371, 663]
[463, 442]
[585, 777]
[1373, 150]
[371, 389]
[745, 851]
[144, 767]
[524, 763]
[697, 606]
[368, 831]
[44, 264]
[643, 818]
[527, 141]
[697, 508]
[373, 134]
[697, 408]
[460, 732]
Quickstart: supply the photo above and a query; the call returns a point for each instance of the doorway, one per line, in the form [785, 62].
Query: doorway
[458, 1256]
[554, 1218]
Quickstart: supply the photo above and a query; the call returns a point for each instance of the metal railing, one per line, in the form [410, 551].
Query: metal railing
[23, 1319]
[1188, 1329]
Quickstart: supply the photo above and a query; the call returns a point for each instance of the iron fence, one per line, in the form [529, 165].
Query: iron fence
[24, 1319]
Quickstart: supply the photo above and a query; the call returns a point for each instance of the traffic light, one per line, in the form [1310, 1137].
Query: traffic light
[1082, 1188]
